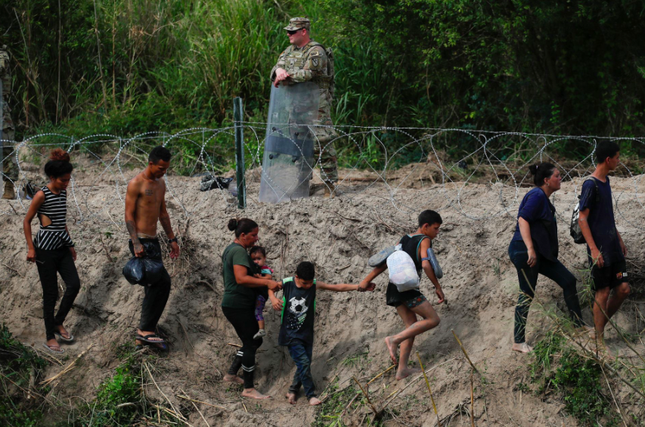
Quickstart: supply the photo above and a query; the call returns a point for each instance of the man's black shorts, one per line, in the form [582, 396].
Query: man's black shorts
[611, 276]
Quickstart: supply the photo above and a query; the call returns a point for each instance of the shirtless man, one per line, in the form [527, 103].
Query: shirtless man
[145, 205]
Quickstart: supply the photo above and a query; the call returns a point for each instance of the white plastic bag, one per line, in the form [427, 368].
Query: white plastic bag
[403, 272]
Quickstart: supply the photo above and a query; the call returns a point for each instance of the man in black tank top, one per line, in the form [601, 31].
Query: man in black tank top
[411, 303]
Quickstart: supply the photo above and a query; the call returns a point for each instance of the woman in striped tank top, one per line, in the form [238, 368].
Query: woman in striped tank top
[52, 249]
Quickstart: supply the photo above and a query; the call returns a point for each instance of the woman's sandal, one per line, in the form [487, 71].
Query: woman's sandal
[160, 343]
[53, 348]
[68, 338]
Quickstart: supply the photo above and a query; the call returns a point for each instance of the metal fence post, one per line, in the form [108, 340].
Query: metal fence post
[1, 129]
[239, 153]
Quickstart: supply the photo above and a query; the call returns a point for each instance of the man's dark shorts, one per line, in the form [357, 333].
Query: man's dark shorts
[609, 277]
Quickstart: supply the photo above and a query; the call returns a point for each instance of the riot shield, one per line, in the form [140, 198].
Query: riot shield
[289, 144]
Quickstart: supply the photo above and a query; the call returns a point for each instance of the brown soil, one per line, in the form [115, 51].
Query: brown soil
[338, 235]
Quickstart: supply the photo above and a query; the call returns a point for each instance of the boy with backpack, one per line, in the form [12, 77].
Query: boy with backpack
[410, 303]
[605, 247]
[298, 305]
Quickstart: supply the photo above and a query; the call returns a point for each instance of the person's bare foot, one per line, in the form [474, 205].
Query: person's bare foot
[522, 347]
[401, 374]
[603, 352]
[314, 401]
[254, 394]
[291, 398]
[233, 379]
[391, 348]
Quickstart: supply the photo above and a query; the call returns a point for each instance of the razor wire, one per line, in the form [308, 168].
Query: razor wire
[382, 161]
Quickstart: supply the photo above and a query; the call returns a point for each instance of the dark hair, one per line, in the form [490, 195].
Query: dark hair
[159, 153]
[58, 164]
[259, 249]
[606, 149]
[540, 172]
[306, 271]
[241, 226]
[429, 217]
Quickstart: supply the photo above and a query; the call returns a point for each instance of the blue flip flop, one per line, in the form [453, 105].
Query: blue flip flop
[160, 344]
[381, 257]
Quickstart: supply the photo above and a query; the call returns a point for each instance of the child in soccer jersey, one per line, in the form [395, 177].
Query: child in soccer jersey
[298, 305]
[259, 257]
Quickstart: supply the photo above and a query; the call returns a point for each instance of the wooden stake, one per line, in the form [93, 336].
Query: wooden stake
[464, 350]
[182, 418]
[472, 400]
[434, 406]
[200, 412]
[67, 368]
[376, 413]
[381, 374]
[186, 397]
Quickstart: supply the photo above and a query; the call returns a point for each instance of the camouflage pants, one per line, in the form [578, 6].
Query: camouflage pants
[9, 166]
[325, 154]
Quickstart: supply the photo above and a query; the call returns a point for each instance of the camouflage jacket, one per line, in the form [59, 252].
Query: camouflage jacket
[310, 63]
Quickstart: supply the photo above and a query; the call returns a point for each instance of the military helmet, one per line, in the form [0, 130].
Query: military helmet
[298, 23]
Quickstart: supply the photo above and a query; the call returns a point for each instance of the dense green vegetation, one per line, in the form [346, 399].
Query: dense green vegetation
[130, 66]
[20, 366]
[120, 399]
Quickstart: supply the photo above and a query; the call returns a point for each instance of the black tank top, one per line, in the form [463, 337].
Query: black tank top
[410, 244]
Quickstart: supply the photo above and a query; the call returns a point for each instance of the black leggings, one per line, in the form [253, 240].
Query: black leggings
[50, 262]
[555, 271]
[243, 320]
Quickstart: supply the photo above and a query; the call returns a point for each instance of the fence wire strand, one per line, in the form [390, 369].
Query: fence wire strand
[451, 161]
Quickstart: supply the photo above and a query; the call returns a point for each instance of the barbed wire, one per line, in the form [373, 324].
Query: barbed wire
[382, 161]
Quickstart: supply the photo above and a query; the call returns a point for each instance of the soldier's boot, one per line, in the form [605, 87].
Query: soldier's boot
[314, 188]
[331, 190]
[9, 192]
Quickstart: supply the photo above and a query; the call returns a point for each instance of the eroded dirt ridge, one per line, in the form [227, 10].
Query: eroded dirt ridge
[337, 235]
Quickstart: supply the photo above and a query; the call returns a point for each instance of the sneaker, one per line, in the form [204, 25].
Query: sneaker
[261, 333]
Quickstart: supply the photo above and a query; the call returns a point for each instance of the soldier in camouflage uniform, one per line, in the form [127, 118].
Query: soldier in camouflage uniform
[308, 61]
[9, 167]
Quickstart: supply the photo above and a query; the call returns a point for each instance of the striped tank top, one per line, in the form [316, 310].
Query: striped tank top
[54, 235]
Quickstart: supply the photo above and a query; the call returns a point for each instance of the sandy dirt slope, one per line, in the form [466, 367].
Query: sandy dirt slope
[338, 235]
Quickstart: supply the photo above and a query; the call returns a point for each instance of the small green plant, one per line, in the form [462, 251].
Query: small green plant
[578, 379]
[359, 360]
[543, 354]
[120, 399]
[330, 414]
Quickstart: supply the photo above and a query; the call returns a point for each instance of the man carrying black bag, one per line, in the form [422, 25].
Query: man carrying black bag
[145, 205]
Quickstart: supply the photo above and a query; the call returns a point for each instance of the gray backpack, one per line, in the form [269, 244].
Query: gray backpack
[574, 228]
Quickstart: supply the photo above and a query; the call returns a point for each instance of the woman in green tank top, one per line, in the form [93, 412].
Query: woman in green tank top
[238, 303]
